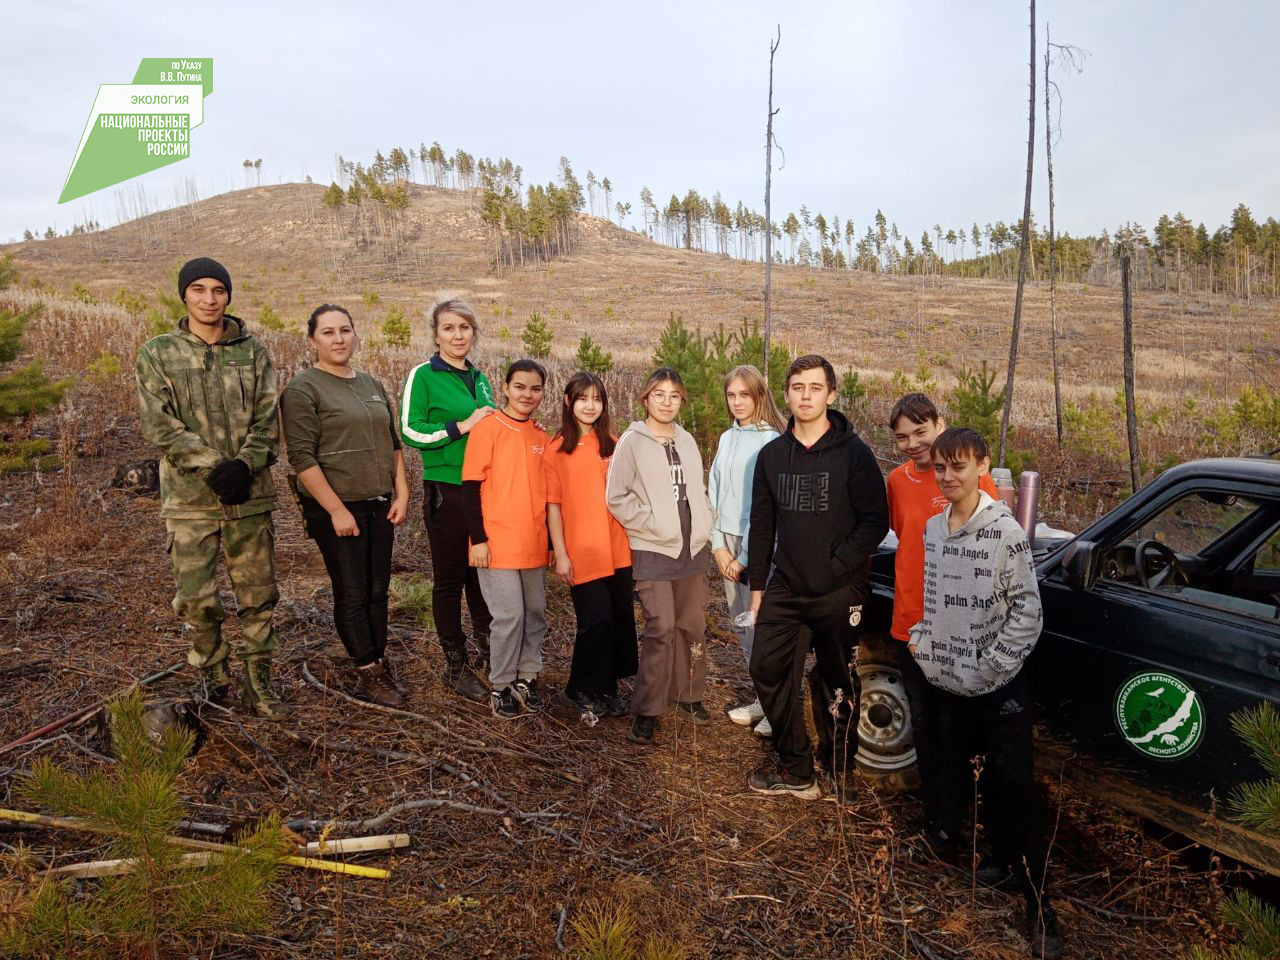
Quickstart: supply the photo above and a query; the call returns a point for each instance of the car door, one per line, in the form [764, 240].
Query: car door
[1144, 680]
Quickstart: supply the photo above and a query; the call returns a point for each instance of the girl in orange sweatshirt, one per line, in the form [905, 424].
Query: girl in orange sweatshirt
[592, 553]
[505, 498]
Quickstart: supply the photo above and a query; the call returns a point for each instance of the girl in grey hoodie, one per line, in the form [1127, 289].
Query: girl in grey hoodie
[656, 491]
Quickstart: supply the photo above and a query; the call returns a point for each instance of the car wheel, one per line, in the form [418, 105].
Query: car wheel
[886, 752]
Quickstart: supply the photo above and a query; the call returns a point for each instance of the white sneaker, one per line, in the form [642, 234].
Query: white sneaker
[763, 729]
[747, 714]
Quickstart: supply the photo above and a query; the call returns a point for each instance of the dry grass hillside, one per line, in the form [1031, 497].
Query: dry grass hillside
[284, 251]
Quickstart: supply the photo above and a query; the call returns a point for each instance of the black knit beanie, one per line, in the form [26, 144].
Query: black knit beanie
[198, 269]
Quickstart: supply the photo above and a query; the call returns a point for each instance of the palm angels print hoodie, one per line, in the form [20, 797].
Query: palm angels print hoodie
[982, 613]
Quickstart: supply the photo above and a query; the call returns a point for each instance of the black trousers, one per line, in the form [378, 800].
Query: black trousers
[925, 703]
[604, 649]
[994, 730]
[446, 523]
[789, 625]
[360, 571]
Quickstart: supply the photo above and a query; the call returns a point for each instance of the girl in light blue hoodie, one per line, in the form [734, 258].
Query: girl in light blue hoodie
[756, 421]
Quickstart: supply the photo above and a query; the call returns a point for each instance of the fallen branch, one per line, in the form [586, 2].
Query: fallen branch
[923, 947]
[24, 669]
[478, 746]
[391, 711]
[71, 823]
[292, 783]
[559, 940]
[113, 868]
[209, 829]
[85, 711]
[423, 803]
[1113, 915]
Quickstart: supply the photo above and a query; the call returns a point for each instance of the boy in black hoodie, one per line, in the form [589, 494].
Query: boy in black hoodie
[819, 493]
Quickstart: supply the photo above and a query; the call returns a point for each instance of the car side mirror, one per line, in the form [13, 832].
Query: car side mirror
[1079, 566]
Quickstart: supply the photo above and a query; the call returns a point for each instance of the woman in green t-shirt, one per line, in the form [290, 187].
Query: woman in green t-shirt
[343, 444]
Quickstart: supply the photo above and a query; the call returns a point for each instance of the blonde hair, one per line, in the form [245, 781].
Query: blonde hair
[766, 411]
[459, 307]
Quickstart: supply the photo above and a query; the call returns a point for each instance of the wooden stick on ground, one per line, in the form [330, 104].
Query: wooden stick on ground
[386, 841]
[70, 823]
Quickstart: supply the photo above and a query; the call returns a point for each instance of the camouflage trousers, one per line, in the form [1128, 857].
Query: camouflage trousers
[248, 547]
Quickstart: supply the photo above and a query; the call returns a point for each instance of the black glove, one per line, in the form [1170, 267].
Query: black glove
[231, 480]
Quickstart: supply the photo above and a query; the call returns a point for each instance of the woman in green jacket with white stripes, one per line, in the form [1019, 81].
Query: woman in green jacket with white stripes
[443, 399]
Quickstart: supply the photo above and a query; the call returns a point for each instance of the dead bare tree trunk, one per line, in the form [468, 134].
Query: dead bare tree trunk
[768, 220]
[1130, 401]
[1022, 253]
[1053, 292]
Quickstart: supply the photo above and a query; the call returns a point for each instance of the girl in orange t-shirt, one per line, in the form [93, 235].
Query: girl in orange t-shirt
[505, 499]
[592, 553]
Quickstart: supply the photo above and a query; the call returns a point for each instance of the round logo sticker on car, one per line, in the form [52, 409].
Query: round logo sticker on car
[1159, 715]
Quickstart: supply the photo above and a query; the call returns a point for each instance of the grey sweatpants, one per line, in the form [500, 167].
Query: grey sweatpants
[738, 595]
[518, 601]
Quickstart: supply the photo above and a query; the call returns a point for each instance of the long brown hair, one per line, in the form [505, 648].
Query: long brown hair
[569, 432]
[766, 411]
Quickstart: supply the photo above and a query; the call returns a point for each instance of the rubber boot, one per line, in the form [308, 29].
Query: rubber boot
[259, 696]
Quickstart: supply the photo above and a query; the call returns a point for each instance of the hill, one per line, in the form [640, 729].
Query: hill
[287, 251]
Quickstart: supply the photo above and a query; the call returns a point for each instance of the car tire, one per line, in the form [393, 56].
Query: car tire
[886, 754]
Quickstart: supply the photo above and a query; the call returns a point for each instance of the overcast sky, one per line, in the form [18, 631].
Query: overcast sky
[918, 109]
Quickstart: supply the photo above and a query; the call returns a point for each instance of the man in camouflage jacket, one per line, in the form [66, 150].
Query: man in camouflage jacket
[208, 399]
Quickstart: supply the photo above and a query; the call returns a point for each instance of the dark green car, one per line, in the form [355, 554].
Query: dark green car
[1162, 619]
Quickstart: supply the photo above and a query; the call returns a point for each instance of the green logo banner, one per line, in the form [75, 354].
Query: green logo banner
[138, 127]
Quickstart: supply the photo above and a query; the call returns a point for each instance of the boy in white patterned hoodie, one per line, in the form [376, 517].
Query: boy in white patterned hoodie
[982, 617]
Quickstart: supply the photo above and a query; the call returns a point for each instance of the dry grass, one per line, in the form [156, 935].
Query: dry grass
[283, 251]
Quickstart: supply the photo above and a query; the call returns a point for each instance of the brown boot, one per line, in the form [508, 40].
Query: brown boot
[375, 685]
[395, 681]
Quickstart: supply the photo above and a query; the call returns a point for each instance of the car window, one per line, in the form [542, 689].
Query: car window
[1192, 523]
[1208, 533]
[1268, 557]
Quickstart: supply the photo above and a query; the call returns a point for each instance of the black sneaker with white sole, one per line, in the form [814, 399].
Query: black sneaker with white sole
[580, 702]
[643, 730]
[504, 704]
[772, 780]
[614, 705]
[526, 691]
